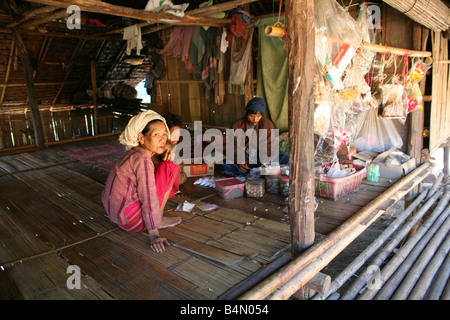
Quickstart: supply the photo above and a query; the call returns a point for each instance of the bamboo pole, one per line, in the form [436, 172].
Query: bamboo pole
[413, 266]
[359, 283]
[308, 272]
[283, 275]
[94, 96]
[372, 248]
[446, 293]
[397, 51]
[439, 282]
[431, 224]
[422, 285]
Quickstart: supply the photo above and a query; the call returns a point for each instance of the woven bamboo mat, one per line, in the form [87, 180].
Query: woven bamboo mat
[51, 217]
[53, 205]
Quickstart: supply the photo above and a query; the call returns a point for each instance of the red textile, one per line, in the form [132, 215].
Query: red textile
[165, 172]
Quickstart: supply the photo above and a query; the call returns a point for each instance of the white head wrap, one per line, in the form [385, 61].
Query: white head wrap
[129, 137]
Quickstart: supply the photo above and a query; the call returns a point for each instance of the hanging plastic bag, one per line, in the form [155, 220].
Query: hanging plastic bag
[417, 72]
[393, 104]
[322, 111]
[375, 134]
[337, 37]
[338, 171]
[414, 97]
[354, 84]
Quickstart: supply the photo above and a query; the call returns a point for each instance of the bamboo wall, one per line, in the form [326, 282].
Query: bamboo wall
[440, 105]
[397, 32]
[184, 95]
[16, 129]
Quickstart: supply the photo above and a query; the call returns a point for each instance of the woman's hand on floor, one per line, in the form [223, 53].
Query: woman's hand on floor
[158, 244]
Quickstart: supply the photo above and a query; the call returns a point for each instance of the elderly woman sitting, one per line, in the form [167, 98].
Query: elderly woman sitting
[137, 189]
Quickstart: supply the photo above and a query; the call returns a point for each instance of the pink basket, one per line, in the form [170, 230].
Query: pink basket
[229, 188]
[334, 188]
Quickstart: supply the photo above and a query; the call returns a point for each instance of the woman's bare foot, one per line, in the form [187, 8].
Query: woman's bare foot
[167, 222]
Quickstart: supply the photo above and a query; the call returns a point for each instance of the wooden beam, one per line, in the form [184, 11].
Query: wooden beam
[31, 90]
[160, 17]
[69, 67]
[37, 84]
[199, 12]
[32, 23]
[300, 25]
[30, 14]
[8, 70]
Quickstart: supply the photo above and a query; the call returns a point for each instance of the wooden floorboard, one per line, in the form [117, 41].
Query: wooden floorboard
[49, 201]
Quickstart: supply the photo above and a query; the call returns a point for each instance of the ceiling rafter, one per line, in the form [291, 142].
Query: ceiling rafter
[160, 17]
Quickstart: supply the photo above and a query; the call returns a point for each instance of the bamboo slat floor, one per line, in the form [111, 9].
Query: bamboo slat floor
[51, 217]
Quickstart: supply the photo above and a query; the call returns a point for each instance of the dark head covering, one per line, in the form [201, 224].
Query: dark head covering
[257, 105]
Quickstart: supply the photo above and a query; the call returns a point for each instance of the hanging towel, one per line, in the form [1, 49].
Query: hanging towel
[134, 39]
[239, 61]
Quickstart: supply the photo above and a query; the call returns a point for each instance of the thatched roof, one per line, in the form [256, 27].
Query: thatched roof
[61, 57]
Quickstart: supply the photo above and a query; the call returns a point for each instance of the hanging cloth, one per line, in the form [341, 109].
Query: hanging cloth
[272, 74]
[239, 60]
[132, 35]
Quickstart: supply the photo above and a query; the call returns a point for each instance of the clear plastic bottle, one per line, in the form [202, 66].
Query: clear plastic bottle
[273, 182]
[373, 173]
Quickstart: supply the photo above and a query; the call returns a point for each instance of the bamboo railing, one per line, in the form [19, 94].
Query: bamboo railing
[303, 268]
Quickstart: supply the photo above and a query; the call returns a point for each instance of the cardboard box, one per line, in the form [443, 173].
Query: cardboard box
[197, 170]
[393, 171]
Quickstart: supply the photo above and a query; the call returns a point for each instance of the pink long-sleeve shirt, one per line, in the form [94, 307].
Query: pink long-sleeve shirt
[132, 179]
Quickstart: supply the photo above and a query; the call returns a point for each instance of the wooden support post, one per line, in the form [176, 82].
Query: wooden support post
[31, 90]
[416, 118]
[300, 25]
[94, 96]
[300, 43]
